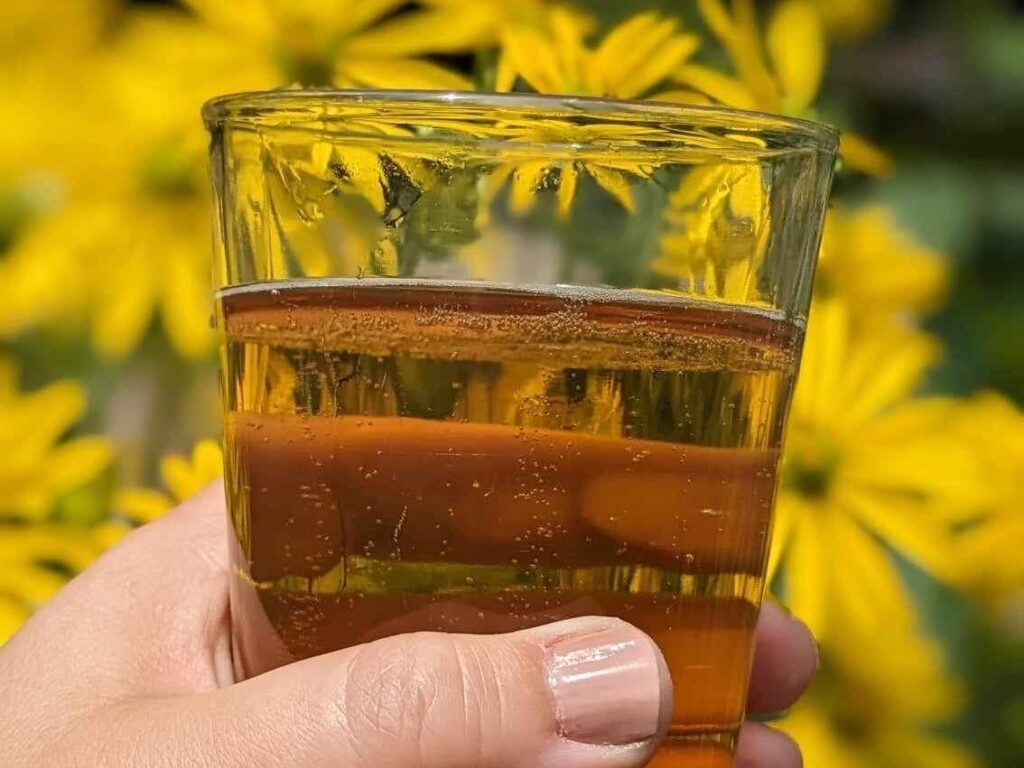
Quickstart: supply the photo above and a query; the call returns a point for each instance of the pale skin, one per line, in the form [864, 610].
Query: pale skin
[130, 666]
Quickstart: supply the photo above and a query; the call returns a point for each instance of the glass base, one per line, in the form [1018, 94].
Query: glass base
[704, 750]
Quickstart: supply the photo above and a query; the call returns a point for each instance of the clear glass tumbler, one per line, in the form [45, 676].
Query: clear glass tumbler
[490, 361]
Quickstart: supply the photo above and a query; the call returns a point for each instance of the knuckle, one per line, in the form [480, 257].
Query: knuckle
[418, 692]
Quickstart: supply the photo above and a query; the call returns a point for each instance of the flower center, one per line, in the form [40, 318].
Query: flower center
[855, 716]
[307, 68]
[810, 466]
[812, 482]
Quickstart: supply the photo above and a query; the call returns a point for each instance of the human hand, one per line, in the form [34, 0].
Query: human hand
[130, 665]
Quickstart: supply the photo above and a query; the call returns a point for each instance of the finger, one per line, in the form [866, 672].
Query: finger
[764, 747]
[193, 534]
[583, 693]
[151, 614]
[785, 660]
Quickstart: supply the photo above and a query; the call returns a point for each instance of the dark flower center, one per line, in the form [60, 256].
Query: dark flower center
[307, 69]
[810, 467]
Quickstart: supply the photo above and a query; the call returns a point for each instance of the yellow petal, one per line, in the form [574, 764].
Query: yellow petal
[746, 53]
[659, 65]
[505, 77]
[490, 186]
[940, 469]
[811, 727]
[248, 18]
[52, 410]
[321, 154]
[882, 371]
[575, 62]
[124, 305]
[990, 565]
[740, 281]
[75, 463]
[849, 21]
[186, 300]
[534, 59]
[180, 477]
[141, 505]
[881, 269]
[821, 370]
[526, 181]
[796, 43]
[859, 154]
[398, 73]
[718, 19]
[426, 31]
[630, 40]
[12, 615]
[722, 88]
[363, 174]
[344, 18]
[566, 188]
[806, 577]
[908, 527]
[30, 583]
[867, 591]
[208, 461]
[639, 53]
[614, 183]
[107, 535]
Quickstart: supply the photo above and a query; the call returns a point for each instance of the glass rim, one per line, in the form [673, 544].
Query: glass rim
[249, 108]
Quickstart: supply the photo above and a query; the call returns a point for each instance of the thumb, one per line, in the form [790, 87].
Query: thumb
[588, 693]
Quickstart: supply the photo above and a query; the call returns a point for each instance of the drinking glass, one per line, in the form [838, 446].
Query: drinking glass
[490, 361]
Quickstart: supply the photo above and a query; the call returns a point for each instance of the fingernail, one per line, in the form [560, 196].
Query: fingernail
[609, 685]
[814, 641]
[803, 624]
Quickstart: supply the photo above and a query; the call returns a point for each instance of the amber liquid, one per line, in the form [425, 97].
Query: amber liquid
[408, 456]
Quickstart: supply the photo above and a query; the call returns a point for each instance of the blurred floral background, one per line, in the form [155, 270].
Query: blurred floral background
[899, 520]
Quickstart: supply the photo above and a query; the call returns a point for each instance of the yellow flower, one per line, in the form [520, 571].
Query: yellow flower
[45, 50]
[348, 43]
[876, 267]
[847, 21]
[40, 465]
[182, 476]
[995, 428]
[877, 702]
[42, 49]
[780, 73]
[631, 60]
[716, 232]
[867, 467]
[457, 26]
[136, 236]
